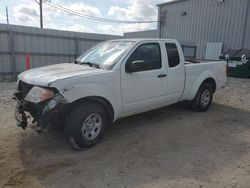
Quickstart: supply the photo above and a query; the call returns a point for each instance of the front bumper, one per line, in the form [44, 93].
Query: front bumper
[43, 113]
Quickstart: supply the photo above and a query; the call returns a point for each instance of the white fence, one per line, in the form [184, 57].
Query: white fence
[45, 46]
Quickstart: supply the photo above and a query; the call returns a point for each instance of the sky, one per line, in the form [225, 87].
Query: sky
[26, 12]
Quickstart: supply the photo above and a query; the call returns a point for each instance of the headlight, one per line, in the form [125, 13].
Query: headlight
[38, 94]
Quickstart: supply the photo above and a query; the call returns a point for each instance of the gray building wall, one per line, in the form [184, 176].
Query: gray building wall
[142, 34]
[206, 21]
[246, 39]
[46, 47]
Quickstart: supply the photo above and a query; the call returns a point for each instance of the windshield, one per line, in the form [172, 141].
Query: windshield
[105, 55]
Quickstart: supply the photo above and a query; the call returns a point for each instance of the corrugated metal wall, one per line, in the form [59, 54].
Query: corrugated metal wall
[142, 34]
[45, 46]
[246, 39]
[206, 21]
[5, 58]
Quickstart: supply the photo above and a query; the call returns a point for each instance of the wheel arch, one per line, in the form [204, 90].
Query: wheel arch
[212, 82]
[106, 104]
[206, 77]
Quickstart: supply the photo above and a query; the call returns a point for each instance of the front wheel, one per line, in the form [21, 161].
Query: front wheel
[203, 98]
[85, 125]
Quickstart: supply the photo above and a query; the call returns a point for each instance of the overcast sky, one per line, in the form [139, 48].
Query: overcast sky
[26, 12]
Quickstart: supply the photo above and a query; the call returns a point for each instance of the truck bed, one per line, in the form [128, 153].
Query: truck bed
[195, 61]
[195, 70]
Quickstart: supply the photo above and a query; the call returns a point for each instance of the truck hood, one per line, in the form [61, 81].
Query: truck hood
[43, 76]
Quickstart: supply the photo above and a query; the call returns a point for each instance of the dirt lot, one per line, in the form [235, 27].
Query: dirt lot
[169, 147]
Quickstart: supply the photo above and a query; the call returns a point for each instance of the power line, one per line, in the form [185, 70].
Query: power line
[95, 18]
[36, 2]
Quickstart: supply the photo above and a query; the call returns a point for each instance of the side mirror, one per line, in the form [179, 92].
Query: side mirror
[135, 66]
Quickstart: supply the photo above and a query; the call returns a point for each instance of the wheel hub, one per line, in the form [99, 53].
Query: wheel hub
[205, 98]
[91, 126]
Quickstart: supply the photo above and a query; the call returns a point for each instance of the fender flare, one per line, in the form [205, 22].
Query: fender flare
[201, 78]
[93, 90]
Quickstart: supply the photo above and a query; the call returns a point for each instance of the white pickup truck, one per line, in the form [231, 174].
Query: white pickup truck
[112, 80]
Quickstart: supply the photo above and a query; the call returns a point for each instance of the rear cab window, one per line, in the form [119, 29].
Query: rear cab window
[173, 54]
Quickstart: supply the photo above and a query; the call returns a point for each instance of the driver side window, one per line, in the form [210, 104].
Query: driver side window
[149, 55]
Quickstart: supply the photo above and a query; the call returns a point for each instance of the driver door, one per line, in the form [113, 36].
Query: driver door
[144, 84]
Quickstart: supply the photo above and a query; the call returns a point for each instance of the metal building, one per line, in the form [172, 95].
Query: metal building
[211, 25]
[141, 34]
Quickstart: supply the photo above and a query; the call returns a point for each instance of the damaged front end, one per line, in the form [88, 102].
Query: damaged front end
[45, 105]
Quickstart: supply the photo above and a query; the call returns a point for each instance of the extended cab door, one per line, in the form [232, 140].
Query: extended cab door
[176, 71]
[144, 78]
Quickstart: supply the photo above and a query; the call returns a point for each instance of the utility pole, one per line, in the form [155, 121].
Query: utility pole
[7, 15]
[41, 13]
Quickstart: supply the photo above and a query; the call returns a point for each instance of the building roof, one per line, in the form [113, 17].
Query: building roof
[145, 40]
[170, 2]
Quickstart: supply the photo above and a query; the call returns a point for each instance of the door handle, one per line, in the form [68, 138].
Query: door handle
[162, 75]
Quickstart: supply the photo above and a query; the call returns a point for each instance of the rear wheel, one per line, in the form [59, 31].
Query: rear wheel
[203, 98]
[85, 125]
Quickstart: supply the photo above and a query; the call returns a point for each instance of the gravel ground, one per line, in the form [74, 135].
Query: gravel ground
[169, 147]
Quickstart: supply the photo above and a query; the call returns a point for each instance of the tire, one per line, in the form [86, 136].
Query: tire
[58, 123]
[203, 98]
[85, 125]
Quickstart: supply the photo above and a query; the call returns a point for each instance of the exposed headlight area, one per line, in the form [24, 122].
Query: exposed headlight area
[42, 103]
[39, 94]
